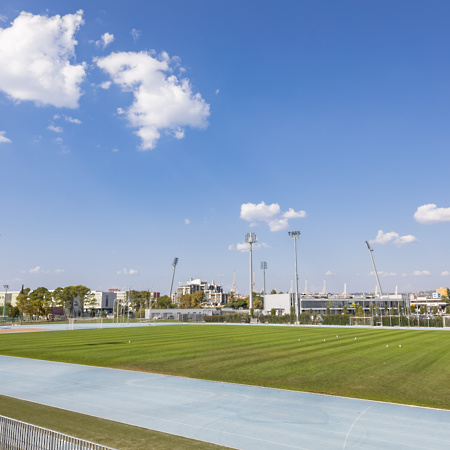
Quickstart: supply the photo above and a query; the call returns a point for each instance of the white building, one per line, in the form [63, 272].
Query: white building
[214, 295]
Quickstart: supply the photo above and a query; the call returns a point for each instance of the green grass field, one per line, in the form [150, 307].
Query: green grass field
[105, 432]
[373, 366]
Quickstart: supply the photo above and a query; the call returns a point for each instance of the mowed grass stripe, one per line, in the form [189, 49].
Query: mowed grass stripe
[100, 431]
[372, 366]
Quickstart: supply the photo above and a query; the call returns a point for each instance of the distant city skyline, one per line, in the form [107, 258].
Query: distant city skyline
[131, 134]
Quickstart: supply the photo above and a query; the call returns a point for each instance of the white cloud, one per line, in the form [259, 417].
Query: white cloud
[115, 150]
[430, 213]
[3, 138]
[244, 247]
[125, 271]
[421, 273]
[217, 91]
[38, 269]
[39, 50]
[445, 273]
[105, 85]
[271, 214]
[161, 100]
[105, 40]
[55, 128]
[72, 120]
[187, 221]
[393, 237]
[3, 18]
[384, 274]
[135, 34]
[329, 273]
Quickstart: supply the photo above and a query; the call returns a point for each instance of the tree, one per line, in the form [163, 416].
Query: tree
[238, 303]
[66, 297]
[41, 301]
[191, 300]
[273, 291]
[258, 301]
[13, 312]
[23, 302]
[164, 302]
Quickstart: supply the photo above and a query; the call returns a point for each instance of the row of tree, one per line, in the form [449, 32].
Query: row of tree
[40, 301]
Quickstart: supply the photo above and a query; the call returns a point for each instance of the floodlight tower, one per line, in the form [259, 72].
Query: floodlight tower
[250, 238]
[374, 268]
[174, 264]
[298, 305]
[264, 267]
[6, 286]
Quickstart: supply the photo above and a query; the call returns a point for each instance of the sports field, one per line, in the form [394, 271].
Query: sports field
[402, 366]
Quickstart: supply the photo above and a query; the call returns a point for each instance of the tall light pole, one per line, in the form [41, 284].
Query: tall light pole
[376, 273]
[250, 238]
[264, 267]
[374, 268]
[298, 305]
[174, 264]
[6, 286]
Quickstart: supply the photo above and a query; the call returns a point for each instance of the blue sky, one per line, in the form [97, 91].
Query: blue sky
[135, 132]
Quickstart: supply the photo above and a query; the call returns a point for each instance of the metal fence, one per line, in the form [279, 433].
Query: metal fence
[17, 435]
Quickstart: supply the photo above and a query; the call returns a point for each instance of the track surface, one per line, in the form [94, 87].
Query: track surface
[244, 417]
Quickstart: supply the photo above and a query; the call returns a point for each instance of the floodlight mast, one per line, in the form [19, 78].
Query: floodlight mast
[297, 304]
[374, 269]
[250, 238]
[264, 267]
[174, 264]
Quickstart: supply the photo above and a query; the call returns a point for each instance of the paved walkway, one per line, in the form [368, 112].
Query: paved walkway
[244, 417]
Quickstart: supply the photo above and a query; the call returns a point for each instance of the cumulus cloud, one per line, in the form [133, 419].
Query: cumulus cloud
[393, 237]
[38, 269]
[105, 85]
[105, 40]
[55, 128]
[244, 247]
[430, 213]
[445, 273]
[384, 274]
[270, 214]
[125, 271]
[39, 51]
[72, 120]
[329, 273]
[3, 138]
[135, 34]
[418, 273]
[421, 273]
[161, 100]
[187, 221]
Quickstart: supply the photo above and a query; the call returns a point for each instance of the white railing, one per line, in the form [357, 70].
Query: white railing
[17, 435]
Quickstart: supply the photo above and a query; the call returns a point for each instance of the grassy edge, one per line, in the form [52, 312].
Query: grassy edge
[94, 429]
